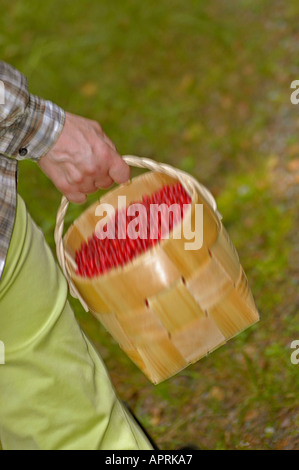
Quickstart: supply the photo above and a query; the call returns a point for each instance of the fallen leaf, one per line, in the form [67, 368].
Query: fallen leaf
[217, 393]
[250, 415]
[293, 165]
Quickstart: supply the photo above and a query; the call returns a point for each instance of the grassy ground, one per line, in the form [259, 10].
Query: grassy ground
[204, 86]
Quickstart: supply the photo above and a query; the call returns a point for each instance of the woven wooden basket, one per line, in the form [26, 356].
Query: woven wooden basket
[169, 307]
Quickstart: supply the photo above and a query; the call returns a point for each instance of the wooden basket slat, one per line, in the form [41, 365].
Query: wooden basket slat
[209, 284]
[135, 356]
[115, 328]
[225, 254]
[85, 224]
[175, 307]
[185, 261]
[242, 287]
[143, 326]
[198, 338]
[93, 296]
[233, 315]
[161, 359]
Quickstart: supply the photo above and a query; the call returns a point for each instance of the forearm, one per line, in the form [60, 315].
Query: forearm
[29, 126]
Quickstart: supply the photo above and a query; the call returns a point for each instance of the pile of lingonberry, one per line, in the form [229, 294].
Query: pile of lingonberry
[98, 256]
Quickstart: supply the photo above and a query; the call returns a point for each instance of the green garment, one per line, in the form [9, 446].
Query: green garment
[54, 390]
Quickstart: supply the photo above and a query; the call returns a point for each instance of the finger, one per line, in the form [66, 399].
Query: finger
[76, 198]
[104, 183]
[73, 175]
[90, 185]
[119, 170]
[86, 184]
[78, 183]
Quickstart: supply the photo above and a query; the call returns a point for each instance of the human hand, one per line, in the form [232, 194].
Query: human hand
[83, 160]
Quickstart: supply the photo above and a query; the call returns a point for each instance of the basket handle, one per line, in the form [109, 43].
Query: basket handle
[188, 181]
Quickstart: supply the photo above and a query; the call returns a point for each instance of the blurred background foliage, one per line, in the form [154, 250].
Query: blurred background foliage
[204, 86]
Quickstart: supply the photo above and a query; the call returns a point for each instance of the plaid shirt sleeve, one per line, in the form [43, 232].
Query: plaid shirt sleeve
[8, 170]
[29, 126]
